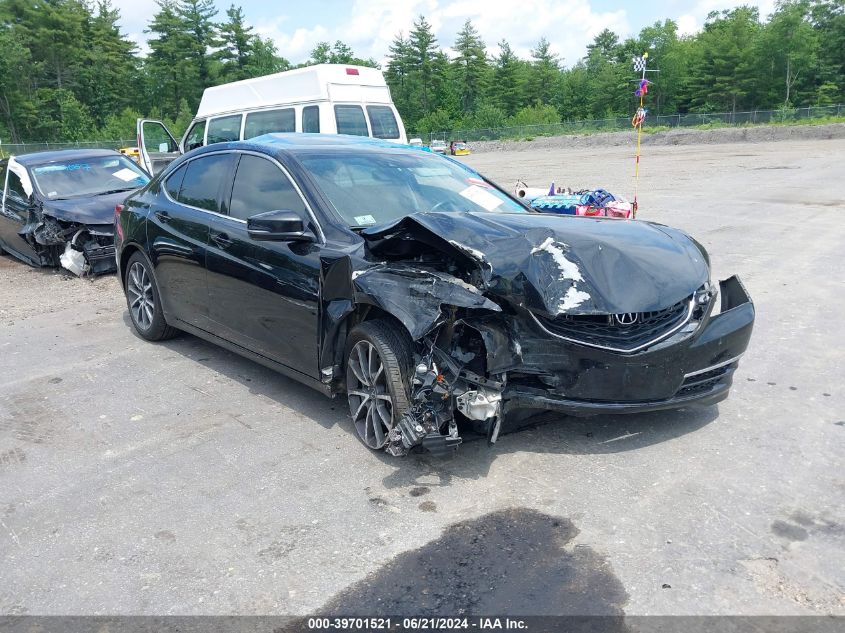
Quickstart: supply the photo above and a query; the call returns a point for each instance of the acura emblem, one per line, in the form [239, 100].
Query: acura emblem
[626, 318]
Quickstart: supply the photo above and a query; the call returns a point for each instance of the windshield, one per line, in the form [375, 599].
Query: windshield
[88, 177]
[373, 188]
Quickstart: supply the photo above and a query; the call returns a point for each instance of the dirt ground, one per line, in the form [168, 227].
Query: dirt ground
[675, 136]
[180, 479]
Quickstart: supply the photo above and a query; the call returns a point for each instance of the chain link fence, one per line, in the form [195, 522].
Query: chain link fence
[721, 119]
[16, 149]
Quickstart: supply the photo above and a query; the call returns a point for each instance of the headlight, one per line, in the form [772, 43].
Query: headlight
[703, 297]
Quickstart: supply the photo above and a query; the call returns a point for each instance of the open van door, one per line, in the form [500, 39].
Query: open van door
[156, 146]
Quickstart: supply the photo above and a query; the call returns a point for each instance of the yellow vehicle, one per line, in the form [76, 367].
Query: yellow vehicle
[458, 148]
[133, 153]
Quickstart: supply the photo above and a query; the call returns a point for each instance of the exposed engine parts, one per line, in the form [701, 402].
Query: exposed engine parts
[442, 385]
[81, 250]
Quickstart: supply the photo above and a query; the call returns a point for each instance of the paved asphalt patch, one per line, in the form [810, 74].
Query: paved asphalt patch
[180, 479]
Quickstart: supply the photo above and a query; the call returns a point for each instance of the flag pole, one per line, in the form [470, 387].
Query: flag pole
[638, 120]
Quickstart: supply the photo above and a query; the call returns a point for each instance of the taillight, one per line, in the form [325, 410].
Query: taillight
[117, 227]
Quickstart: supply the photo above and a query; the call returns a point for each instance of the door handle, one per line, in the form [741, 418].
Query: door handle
[163, 216]
[222, 240]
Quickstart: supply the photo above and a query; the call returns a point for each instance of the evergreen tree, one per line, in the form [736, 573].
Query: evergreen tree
[236, 42]
[422, 45]
[68, 73]
[171, 74]
[108, 76]
[265, 59]
[197, 23]
[724, 75]
[397, 74]
[508, 84]
[545, 73]
[470, 67]
[788, 51]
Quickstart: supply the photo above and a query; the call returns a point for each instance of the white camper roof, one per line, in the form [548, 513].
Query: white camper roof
[335, 82]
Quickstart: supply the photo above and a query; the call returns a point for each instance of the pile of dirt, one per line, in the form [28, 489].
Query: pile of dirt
[677, 136]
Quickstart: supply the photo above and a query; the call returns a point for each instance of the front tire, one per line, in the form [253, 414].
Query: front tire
[378, 369]
[144, 301]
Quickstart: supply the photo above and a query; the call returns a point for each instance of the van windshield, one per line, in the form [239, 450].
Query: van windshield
[372, 188]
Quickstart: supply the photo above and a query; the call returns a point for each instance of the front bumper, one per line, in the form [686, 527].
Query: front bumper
[693, 367]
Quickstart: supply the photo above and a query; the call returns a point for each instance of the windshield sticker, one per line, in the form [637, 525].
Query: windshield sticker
[484, 199]
[364, 220]
[126, 174]
[478, 183]
[46, 169]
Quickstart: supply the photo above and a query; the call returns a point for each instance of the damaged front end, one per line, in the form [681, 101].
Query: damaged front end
[81, 249]
[448, 359]
[512, 313]
[443, 384]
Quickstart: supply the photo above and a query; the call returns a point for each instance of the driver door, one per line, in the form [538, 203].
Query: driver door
[14, 212]
[156, 146]
[264, 295]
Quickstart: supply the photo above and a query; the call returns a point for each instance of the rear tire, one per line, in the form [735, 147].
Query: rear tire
[378, 370]
[144, 301]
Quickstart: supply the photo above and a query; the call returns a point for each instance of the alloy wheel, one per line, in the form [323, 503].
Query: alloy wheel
[139, 286]
[369, 398]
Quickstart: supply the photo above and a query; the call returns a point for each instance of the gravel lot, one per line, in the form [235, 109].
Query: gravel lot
[180, 479]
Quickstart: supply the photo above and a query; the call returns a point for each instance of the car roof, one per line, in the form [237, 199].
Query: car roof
[324, 141]
[39, 158]
[298, 143]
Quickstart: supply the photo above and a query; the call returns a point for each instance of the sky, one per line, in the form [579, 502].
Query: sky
[369, 26]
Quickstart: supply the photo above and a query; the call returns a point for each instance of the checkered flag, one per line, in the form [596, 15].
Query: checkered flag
[639, 64]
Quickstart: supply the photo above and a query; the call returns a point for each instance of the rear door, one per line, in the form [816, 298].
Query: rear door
[264, 295]
[156, 146]
[177, 230]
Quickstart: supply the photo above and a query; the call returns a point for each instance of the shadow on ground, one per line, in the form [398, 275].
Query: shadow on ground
[508, 563]
[544, 433]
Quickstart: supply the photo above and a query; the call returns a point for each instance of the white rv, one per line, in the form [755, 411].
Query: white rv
[327, 98]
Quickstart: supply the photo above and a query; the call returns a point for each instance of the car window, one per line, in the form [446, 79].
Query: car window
[157, 139]
[311, 119]
[375, 187]
[195, 137]
[16, 190]
[224, 129]
[350, 120]
[201, 183]
[88, 176]
[383, 122]
[174, 182]
[270, 121]
[261, 186]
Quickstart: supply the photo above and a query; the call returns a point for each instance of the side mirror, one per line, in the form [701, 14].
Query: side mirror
[278, 226]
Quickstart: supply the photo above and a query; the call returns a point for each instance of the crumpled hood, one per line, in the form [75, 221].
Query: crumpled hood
[553, 264]
[87, 210]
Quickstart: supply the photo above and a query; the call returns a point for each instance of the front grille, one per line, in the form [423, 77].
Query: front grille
[602, 330]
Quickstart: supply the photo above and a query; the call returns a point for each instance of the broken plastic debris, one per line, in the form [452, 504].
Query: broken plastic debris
[74, 260]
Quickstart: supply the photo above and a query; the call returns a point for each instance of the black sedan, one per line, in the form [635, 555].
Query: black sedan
[421, 290]
[58, 207]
